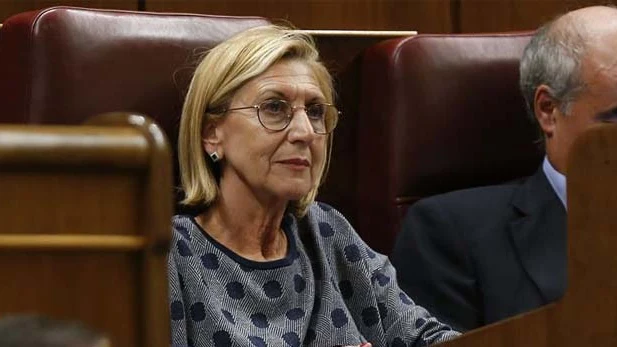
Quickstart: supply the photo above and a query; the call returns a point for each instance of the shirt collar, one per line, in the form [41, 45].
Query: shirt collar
[557, 181]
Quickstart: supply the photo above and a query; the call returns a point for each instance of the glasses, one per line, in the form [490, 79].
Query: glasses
[276, 115]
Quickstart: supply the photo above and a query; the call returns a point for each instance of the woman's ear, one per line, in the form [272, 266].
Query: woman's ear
[211, 139]
[546, 109]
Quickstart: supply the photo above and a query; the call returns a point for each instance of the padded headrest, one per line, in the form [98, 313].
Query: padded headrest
[439, 113]
[64, 64]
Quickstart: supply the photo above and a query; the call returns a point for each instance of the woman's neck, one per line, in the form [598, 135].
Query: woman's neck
[248, 228]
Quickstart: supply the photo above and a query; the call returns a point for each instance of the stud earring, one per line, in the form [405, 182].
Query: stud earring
[215, 157]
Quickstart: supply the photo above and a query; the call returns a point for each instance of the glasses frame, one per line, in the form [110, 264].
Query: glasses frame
[290, 115]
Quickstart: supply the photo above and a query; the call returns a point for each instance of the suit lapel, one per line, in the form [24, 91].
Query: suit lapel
[539, 235]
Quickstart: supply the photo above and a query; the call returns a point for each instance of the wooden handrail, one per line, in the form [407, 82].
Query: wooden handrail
[359, 33]
[64, 145]
[70, 242]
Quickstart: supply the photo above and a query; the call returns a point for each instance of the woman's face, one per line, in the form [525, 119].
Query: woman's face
[275, 167]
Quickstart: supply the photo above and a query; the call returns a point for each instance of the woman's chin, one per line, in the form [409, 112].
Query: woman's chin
[296, 193]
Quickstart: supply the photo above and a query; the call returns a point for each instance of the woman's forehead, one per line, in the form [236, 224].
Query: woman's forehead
[287, 77]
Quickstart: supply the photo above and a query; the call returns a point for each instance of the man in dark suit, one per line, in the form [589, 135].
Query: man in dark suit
[480, 255]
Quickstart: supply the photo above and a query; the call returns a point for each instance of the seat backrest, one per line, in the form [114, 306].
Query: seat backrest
[85, 225]
[63, 64]
[438, 113]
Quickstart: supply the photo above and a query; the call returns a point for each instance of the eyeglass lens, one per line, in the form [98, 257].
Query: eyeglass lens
[277, 114]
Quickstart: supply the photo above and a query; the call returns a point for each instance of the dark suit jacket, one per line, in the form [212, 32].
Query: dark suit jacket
[476, 256]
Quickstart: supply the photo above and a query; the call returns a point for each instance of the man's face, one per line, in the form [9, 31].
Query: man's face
[596, 103]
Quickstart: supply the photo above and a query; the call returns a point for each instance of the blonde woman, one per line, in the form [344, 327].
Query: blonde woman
[262, 264]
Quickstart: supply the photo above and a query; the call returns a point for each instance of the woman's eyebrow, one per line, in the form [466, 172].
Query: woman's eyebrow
[272, 92]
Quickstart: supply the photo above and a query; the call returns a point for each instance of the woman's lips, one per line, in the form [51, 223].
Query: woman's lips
[297, 162]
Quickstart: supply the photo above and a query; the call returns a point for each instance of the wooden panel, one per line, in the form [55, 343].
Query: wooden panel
[99, 196]
[508, 15]
[421, 15]
[85, 229]
[11, 7]
[75, 286]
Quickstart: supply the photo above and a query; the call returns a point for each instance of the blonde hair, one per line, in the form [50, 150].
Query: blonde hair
[225, 69]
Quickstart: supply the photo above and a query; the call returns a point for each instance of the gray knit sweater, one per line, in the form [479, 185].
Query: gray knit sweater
[331, 289]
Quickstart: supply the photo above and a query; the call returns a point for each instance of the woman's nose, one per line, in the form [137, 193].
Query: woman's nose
[300, 124]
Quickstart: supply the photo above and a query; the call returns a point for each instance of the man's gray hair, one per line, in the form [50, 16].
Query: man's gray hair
[553, 58]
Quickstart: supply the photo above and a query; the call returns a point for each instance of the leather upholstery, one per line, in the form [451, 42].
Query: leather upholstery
[64, 64]
[438, 113]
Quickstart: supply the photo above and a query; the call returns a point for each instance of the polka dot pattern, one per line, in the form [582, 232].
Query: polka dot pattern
[299, 283]
[260, 320]
[339, 318]
[210, 261]
[183, 248]
[273, 289]
[257, 341]
[294, 314]
[235, 290]
[405, 299]
[177, 310]
[328, 280]
[228, 316]
[198, 311]
[324, 207]
[380, 279]
[352, 253]
[325, 230]
[185, 232]
[291, 339]
[370, 253]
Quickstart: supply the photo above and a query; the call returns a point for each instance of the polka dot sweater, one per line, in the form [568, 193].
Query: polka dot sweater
[330, 290]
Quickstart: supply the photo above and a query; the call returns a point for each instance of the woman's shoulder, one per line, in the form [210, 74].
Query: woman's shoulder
[323, 211]
[328, 221]
[181, 218]
[181, 226]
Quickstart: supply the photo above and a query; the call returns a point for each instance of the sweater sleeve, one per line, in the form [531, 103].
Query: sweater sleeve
[179, 336]
[367, 280]
[406, 324]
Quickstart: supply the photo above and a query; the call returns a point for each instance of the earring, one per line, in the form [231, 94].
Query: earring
[215, 157]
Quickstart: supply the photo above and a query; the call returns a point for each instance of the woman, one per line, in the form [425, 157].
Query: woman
[262, 264]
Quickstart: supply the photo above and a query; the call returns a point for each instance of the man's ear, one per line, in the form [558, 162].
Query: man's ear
[211, 138]
[546, 110]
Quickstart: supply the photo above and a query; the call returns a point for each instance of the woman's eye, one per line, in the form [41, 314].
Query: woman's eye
[316, 111]
[274, 106]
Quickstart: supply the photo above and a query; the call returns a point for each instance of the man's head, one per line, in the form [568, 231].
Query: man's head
[569, 77]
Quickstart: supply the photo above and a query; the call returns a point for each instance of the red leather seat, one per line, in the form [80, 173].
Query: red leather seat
[62, 65]
[438, 113]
